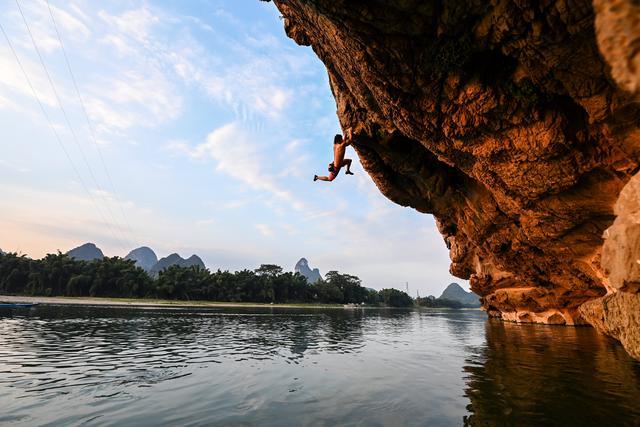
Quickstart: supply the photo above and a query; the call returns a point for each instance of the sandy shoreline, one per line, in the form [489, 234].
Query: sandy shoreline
[152, 302]
[160, 303]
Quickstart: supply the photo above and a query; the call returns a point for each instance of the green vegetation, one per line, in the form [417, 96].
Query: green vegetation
[61, 275]
[433, 302]
[395, 298]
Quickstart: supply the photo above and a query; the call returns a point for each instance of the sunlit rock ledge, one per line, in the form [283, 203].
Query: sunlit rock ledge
[515, 123]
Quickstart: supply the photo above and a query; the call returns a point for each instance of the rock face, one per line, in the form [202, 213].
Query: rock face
[86, 252]
[303, 268]
[455, 293]
[501, 118]
[175, 259]
[618, 30]
[618, 313]
[144, 257]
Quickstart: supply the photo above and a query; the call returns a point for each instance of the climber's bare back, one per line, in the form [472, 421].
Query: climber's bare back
[339, 151]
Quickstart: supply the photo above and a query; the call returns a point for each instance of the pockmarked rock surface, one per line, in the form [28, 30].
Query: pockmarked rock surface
[618, 313]
[514, 122]
[618, 31]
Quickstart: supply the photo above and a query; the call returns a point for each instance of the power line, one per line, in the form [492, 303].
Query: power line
[55, 132]
[89, 124]
[66, 117]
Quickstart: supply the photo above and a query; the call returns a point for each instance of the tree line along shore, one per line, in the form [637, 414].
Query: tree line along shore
[59, 275]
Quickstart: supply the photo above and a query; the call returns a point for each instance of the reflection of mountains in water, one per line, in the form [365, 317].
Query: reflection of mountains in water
[266, 333]
[412, 366]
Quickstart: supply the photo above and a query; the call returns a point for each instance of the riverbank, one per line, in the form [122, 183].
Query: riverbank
[135, 302]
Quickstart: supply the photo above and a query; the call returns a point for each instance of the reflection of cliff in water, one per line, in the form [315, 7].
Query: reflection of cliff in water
[463, 325]
[536, 375]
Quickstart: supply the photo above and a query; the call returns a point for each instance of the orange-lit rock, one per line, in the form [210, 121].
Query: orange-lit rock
[500, 118]
[618, 30]
[618, 313]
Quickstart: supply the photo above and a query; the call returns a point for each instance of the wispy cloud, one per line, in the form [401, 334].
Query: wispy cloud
[155, 83]
[235, 153]
[253, 83]
[136, 23]
[265, 230]
[133, 99]
[14, 82]
[120, 97]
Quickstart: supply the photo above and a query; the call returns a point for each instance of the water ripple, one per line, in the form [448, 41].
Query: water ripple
[100, 366]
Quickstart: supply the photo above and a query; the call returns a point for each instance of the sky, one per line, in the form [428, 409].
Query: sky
[188, 127]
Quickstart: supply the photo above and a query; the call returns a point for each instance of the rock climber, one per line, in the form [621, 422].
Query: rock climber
[339, 148]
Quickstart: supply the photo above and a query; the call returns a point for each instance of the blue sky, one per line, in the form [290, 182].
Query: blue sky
[211, 124]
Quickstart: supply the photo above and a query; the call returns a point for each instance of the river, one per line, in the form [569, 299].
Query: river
[79, 365]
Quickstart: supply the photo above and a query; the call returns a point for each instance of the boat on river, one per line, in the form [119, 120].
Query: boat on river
[352, 305]
[17, 305]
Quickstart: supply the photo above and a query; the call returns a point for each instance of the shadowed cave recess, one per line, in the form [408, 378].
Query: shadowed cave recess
[516, 123]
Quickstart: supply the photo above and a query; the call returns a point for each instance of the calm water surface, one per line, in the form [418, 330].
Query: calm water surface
[121, 366]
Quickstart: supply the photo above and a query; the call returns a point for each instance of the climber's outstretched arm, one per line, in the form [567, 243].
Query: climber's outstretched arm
[348, 135]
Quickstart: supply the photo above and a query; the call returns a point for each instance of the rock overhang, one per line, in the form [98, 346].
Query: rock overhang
[502, 119]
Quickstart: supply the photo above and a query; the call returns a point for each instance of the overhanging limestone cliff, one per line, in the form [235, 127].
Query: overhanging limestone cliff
[501, 118]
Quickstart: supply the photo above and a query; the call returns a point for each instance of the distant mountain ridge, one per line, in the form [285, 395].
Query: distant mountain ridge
[86, 252]
[175, 259]
[454, 292]
[302, 267]
[144, 258]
